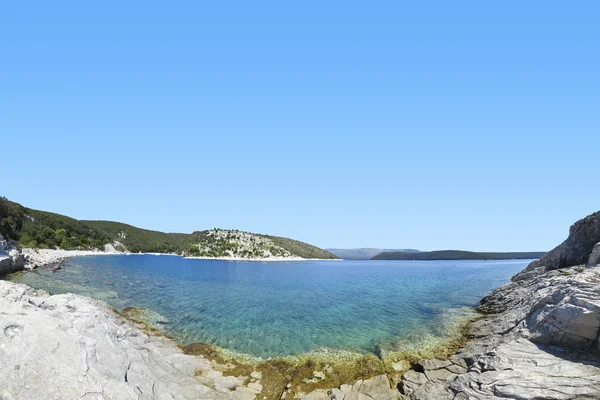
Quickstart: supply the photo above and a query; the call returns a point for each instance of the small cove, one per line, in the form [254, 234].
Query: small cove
[274, 309]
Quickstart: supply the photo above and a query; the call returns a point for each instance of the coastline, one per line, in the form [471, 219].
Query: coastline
[536, 337]
[42, 257]
[81, 336]
[305, 373]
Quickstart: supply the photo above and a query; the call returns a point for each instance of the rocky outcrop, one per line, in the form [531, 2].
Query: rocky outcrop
[115, 247]
[377, 388]
[540, 343]
[576, 250]
[540, 339]
[11, 260]
[594, 256]
[72, 347]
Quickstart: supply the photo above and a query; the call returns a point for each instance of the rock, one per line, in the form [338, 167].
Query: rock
[115, 247]
[440, 375]
[5, 264]
[583, 236]
[227, 383]
[433, 364]
[377, 388]
[401, 366]
[70, 347]
[539, 340]
[18, 259]
[594, 258]
[319, 394]
[415, 377]
[256, 375]
[12, 262]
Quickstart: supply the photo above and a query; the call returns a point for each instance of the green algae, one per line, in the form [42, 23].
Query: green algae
[292, 376]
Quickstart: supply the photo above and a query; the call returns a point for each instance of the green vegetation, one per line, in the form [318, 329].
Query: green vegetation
[137, 239]
[301, 249]
[458, 255]
[41, 229]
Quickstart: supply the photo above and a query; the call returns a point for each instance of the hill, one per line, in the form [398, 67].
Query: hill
[365, 253]
[138, 239]
[458, 255]
[42, 229]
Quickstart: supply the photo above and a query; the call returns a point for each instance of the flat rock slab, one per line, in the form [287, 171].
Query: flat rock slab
[71, 347]
[540, 343]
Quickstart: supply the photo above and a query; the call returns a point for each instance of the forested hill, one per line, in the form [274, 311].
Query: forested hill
[458, 255]
[42, 229]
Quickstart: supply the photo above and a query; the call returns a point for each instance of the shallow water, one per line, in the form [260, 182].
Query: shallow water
[271, 309]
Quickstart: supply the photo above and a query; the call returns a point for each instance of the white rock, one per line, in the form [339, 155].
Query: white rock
[594, 256]
[64, 346]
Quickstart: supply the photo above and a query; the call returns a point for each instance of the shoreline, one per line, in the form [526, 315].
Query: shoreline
[43, 257]
[315, 370]
[293, 376]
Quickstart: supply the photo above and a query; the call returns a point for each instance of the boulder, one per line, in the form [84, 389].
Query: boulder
[5, 264]
[18, 259]
[115, 247]
[12, 262]
[594, 256]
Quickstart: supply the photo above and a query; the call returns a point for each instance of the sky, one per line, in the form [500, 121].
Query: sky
[437, 125]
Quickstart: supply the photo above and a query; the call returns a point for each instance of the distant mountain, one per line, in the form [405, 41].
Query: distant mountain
[457, 255]
[365, 253]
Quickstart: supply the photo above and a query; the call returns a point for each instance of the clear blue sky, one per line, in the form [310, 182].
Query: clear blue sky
[443, 125]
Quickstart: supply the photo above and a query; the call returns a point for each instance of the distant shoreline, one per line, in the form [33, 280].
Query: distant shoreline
[43, 257]
[459, 255]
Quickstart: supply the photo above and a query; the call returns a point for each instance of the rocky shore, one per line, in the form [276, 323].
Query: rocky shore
[72, 347]
[539, 340]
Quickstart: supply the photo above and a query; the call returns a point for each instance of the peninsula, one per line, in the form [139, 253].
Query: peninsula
[35, 229]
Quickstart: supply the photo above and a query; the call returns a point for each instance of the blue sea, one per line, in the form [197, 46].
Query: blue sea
[269, 309]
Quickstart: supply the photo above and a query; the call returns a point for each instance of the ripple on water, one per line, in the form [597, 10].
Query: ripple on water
[282, 309]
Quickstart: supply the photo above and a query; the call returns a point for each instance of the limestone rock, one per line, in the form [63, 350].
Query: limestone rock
[12, 262]
[71, 347]
[594, 259]
[5, 264]
[377, 388]
[516, 353]
[18, 259]
[115, 247]
[583, 236]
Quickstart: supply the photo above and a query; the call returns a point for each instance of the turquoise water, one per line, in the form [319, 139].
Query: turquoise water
[276, 308]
